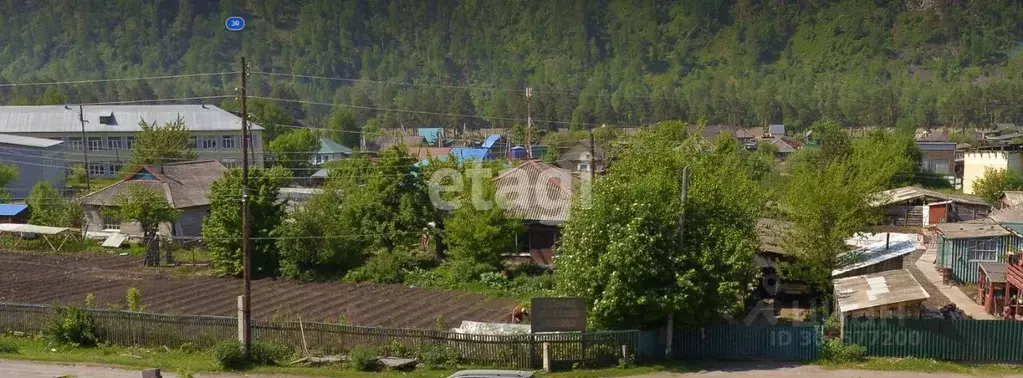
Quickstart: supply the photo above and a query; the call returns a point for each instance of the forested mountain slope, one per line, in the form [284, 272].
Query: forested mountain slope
[628, 62]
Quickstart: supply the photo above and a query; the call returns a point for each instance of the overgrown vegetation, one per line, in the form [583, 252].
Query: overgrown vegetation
[835, 351]
[74, 326]
[133, 299]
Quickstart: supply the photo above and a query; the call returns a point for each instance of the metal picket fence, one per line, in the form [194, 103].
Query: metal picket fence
[520, 351]
[953, 340]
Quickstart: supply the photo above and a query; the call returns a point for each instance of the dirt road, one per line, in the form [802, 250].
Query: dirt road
[26, 369]
[784, 370]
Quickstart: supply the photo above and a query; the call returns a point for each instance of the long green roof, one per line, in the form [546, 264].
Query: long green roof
[328, 146]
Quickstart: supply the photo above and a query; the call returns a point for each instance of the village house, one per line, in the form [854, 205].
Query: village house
[979, 160]
[14, 213]
[876, 253]
[772, 254]
[915, 206]
[962, 247]
[1010, 198]
[330, 151]
[540, 195]
[938, 158]
[37, 159]
[888, 294]
[110, 131]
[185, 185]
[580, 158]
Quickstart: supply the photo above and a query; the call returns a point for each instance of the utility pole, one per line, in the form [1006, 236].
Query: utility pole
[593, 156]
[85, 145]
[681, 240]
[529, 122]
[245, 322]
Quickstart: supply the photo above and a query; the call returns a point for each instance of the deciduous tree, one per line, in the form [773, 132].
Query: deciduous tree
[294, 150]
[147, 207]
[165, 144]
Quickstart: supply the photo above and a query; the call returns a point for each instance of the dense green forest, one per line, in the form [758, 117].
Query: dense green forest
[902, 63]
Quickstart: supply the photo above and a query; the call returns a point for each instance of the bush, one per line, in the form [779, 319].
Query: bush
[228, 355]
[8, 347]
[384, 267]
[72, 325]
[270, 354]
[133, 299]
[834, 350]
[438, 356]
[362, 359]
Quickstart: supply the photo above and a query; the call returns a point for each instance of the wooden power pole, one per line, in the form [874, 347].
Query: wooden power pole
[529, 122]
[246, 303]
[85, 145]
[681, 244]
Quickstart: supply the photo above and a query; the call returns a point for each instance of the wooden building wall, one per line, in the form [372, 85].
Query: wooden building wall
[904, 215]
[952, 253]
[890, 264]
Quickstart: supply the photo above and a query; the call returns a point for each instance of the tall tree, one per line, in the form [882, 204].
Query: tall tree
[8, 174]
[341, 128]
[147, 207]
[221, 229]
[624, 253]
[155, 144]
[49, 208]
[294, 150]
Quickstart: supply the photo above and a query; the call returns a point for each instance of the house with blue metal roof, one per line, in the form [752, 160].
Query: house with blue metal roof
[13, 213]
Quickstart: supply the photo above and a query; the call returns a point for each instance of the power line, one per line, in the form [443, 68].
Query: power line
[116, 79]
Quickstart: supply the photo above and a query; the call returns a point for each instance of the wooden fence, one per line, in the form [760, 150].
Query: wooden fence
[519, 351]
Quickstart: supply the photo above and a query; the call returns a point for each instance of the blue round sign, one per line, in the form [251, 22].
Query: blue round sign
[235, 23]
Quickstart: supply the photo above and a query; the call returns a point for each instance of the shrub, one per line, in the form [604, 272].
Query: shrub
[834, 350]
[188, 348]
[72, 325]
[90, 300]
[270, 354]
[8, 347]
[228, 355]
[438, 356]
[385, 267]
[133, 299]
[362, 359]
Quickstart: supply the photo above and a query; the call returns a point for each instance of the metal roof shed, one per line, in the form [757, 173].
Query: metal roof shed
[889, 294]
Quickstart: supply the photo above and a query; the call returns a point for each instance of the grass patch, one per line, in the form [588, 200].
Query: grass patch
[926, 366]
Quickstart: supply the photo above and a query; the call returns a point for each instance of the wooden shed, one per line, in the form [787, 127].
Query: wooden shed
[914, 206]
[991, 287]
[890, 294]
[962, 247]
[887, 253]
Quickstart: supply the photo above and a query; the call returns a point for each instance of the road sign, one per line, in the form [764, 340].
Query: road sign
[235, 23]
[557, 314]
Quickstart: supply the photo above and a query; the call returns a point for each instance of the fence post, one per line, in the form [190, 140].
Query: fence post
[547, 357]
[625, 352]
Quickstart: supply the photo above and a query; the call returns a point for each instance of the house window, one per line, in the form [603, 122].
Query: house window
[111, 224]
[115, 143]
[982, 250]
[129, 142]
[228, 141]
[193, 141]
[75, 143]
[209, 142]
[95, 143]
[583, 167]
[115, 167]
[98, 169]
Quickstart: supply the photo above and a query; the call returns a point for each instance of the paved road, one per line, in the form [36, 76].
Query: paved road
[27, 369]
[776, 370]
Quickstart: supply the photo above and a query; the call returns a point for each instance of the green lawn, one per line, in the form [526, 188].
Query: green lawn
[173, 360]
[926, 366]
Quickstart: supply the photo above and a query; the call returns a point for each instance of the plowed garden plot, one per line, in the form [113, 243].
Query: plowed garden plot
[62, 280]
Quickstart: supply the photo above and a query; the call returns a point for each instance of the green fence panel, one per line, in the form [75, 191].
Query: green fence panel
[743, 342]
[952, 340]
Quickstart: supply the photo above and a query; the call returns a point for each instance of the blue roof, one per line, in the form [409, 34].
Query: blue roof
[491, 139]
[431, 134]
[471, 153]
[11, 209]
